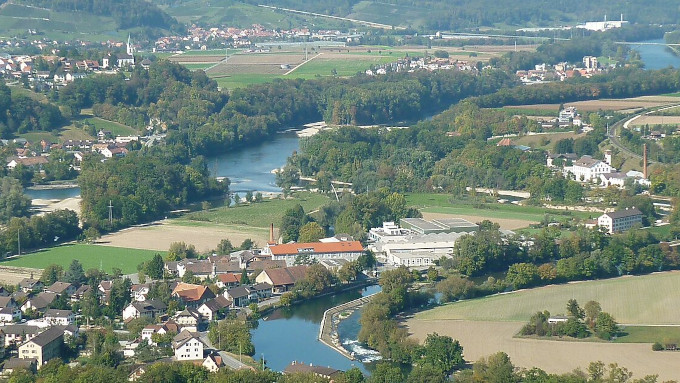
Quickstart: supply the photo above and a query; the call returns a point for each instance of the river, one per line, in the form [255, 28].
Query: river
[656, 56]
[291, 334]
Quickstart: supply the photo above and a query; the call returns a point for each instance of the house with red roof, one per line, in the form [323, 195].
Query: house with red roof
[349, 250]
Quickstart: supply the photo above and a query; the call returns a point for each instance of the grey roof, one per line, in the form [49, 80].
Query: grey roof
[238, 292]
[586, 161]
[48, 336]
[261, 287]
[217, 304]
[43, 300]
[13, 363]
[19, 329]
[150, 305]
[59, 287]
[6, 301]
[624, 213]
[58, 313]
[28, 283]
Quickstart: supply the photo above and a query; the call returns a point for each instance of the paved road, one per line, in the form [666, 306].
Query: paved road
[624, 125]
[228, 360]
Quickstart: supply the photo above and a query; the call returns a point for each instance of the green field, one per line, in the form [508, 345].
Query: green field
[115, 128]
[439, 203]
[193, 67]
[256, 214]
[244, 80]
[649, 334]
[90, 256]
[650, 300]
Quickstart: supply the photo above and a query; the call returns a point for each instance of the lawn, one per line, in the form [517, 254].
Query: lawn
[115, 128]
[256, 214]
[649, 299]
[90, 256]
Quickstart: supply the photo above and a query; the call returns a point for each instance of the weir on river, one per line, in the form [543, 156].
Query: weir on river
[328, 331]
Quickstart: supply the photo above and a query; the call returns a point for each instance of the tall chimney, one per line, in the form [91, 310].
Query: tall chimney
[644, 160]
[271, 233]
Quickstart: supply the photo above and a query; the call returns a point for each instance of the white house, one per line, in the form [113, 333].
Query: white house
[211, 309]
[9, 314]
[621, 220]
[188, 319]
[213, 362]
[188, 346]
[147, 309]
[588, 169]
[60, 317]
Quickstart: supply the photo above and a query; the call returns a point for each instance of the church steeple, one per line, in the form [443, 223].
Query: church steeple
[129, 49]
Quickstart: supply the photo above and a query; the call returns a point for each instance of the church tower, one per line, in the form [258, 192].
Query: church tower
[129, 49]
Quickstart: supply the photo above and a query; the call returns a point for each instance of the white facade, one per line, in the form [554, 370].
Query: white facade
[621, 220]
[414, 259]
[190, 350]
[587, 169]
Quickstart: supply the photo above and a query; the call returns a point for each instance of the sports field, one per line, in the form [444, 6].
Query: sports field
[642, 300]
[90, 256]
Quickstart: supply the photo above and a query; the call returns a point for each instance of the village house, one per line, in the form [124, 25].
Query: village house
[240, 296]
[17, 333]
[228, 280]
[47, 345]
[140, 292]
[621, 220]
[104, 289]
[213, 362]
[282, 279]
[146, 309]
[29, 285]
[80, 293]
[12, 364]
[39, 303]
[169, 327]
[320, 371]
[214, 308]
[7, 302]
[188, 346]
[350, 250]
[9, 314]
[192, 295]
[188, 319]
[59, 317]
[29, 162]
[60, 288]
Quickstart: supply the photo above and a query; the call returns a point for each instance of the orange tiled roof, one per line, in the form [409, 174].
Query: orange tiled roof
[317, 247]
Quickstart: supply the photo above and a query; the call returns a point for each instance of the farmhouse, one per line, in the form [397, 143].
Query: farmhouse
[350, 250]
[621, 220]
[192, 295]
[60, 317]
[146, 309]
[282, 279]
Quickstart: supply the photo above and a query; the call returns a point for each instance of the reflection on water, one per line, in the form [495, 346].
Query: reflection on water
[250, 168]
[291, 334]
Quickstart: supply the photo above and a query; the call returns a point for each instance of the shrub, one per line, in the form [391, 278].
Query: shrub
[657, 347]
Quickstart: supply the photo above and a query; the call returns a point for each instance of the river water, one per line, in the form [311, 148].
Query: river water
[656, 56]
[291, 334]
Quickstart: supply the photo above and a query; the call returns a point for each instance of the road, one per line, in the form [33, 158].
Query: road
[228, 360]
[624, 125]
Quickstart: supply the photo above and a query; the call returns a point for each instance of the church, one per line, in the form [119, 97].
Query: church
[123, 59]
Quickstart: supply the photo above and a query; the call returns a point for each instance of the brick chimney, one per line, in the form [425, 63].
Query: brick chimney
[644, 160]
[271, 234]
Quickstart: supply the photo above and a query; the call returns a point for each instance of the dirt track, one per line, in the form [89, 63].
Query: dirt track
[480, 339]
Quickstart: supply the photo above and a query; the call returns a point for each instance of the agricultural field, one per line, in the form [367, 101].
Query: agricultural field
[656, 120]
[115, 128]
[545, 141]
[205, 229]
[640, 303]
[90, 256]
[623, 105]
[636, 300]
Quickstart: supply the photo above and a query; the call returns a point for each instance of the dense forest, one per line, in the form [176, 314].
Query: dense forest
[143, 186]
[126, 13]
[22, 114]
[445, 15]
[210, 122]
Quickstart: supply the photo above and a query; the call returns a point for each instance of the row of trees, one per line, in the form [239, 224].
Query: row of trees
[39, 231]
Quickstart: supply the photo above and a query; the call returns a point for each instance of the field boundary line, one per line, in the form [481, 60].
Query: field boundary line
[302, 63]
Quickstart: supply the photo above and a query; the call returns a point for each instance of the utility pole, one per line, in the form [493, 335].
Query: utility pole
[110, 212]
[19, 241]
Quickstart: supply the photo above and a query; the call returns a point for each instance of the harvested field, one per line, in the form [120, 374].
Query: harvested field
[505, 223]
[627, 104]
[13, 275]
[480, 339]
[656, 120]
[160, 234]
[186, 59]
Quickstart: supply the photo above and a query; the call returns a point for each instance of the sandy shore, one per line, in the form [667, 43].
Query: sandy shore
[480, 339]
[46, 205]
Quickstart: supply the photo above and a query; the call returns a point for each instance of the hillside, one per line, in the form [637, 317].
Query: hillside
[237, 14]
[460, 14]
[93, 20]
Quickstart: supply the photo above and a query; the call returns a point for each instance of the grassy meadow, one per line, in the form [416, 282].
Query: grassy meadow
[90, 256]
[636, 300]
